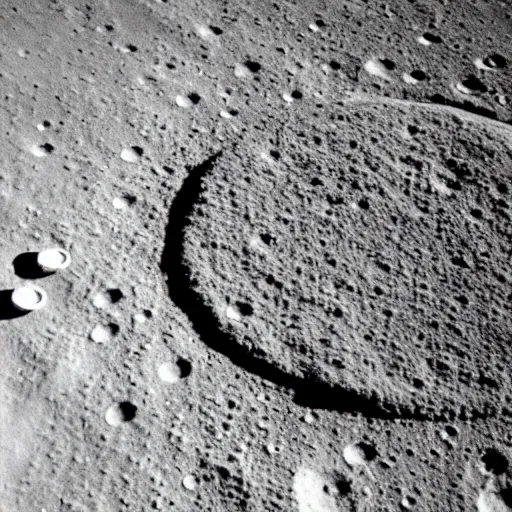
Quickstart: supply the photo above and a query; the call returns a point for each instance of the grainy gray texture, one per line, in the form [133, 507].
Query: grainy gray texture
[289, 226]
[371, 256]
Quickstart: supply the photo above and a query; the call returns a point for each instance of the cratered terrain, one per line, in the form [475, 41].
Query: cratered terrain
[364, 262]
[255, 256]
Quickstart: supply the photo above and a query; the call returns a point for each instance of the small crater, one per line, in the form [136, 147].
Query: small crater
[122, 412]
[143, 317]
[228, 114]
[132, 154]
[471, 85]
[42, 150]
[188, 101]
[363, 204]
[294, 95]
[248, 68]
[245, 309]
[459, 261]
[408, 502]
[173, 372]
[418, 383]
[190, 482]
[108, 297]
[428, 39]
[495, 61]
[379, 68]
[44, 125]
[103, 334]
[462, 299]
[252, 66]
[208, 32]
[494, 462]
[115, 295]
[321, 491]
[124, 202]
[129, 48]
[493, 500]
[388, 64]
[449, 432]
[414, 77]
[502, 188]
[359, 454]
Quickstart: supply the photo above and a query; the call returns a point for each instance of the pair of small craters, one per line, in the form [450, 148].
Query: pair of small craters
[28, 298]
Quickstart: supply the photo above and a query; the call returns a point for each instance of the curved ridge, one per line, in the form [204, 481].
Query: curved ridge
[308, 392]
[461, 108]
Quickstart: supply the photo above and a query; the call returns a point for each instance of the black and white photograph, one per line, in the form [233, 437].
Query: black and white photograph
[256, 256]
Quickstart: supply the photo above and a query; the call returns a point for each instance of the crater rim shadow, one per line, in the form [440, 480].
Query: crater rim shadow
[25, 266]
[7, 309]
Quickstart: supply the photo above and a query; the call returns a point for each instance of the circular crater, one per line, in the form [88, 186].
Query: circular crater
[29, 298]
[375, 263]
[119, 413]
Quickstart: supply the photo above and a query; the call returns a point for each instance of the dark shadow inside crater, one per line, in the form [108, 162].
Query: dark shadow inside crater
[25, 266]
[7, 309]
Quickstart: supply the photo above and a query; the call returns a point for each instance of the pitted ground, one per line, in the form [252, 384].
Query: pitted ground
[109, 398]
[370, 253]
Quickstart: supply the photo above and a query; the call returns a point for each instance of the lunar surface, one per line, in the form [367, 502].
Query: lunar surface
[371, 258]
[256, 256]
